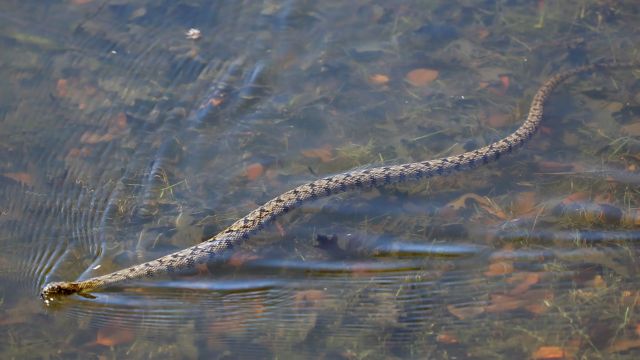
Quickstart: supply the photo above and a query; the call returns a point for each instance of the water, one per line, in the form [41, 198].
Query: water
[123, 140]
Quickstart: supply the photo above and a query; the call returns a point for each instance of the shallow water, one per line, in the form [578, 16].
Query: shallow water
[123, 140]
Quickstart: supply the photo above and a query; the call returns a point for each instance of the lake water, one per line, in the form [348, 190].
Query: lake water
[132, 129]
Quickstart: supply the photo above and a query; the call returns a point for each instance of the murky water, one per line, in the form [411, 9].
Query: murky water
[124, 139]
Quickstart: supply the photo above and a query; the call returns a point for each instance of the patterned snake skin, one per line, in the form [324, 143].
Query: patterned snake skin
[258, 218]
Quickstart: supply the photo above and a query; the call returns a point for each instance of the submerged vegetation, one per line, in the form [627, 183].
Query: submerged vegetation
[126, 137]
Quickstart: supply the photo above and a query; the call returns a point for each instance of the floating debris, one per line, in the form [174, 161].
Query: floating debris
[193, 34]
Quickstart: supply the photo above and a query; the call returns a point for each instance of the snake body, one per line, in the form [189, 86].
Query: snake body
[242, 229]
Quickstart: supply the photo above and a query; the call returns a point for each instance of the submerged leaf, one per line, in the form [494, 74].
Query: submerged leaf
[325, 153]
[112, 336]
[21, 177]
[466, 312]
[254, 171]
[421, 77]
[549, 352]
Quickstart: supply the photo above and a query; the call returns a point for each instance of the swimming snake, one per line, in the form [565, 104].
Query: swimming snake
[242, 229]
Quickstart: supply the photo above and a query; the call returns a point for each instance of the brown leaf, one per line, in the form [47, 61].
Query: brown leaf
[62, 88]
[525, 281]
[630, 298]
[325, 153]
[111, 336]
[503, 303]
[598, 282]
[466, 312]
[253, 171]
[21, 177]
[623, 345]
[632, 129]
[421, 77]
[524, 203]
[537, 301]
[379, 79]
[461, 202]
[505, 81]
[549, 352]
[93, 138]
[499, 268]
[118, 123]
[483, 202]
[447, 338]
[482, 33]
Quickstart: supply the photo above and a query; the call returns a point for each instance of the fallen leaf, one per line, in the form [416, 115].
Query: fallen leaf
[119, 122]
[93, 138]
[325, 153]
[537, 309]
[503, 303]
[111, 336]
[632, 129]
[379, 79]
[505, 81]
[486, 204]
[499, 268]
[549, 352]
[461, 202]
[216, 101]
[254, 171]
[447, 338]
[526, 281]
[421, 77]
[623, 345]
[538, 300]
[598, 282]
[62, 88]
[524, 203]
[21, 177]
[466, 312]
[482, 33]
[630, 298]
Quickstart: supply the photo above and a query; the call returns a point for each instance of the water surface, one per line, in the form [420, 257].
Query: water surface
[124, 139]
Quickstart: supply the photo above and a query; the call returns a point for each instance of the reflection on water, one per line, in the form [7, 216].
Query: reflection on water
[124, 140]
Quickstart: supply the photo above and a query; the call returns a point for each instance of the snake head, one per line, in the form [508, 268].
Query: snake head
[56, 290]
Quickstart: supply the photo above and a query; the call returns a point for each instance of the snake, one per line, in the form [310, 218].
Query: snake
[260, 217]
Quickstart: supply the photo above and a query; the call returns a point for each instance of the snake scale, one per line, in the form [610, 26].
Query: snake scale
[242, 229]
